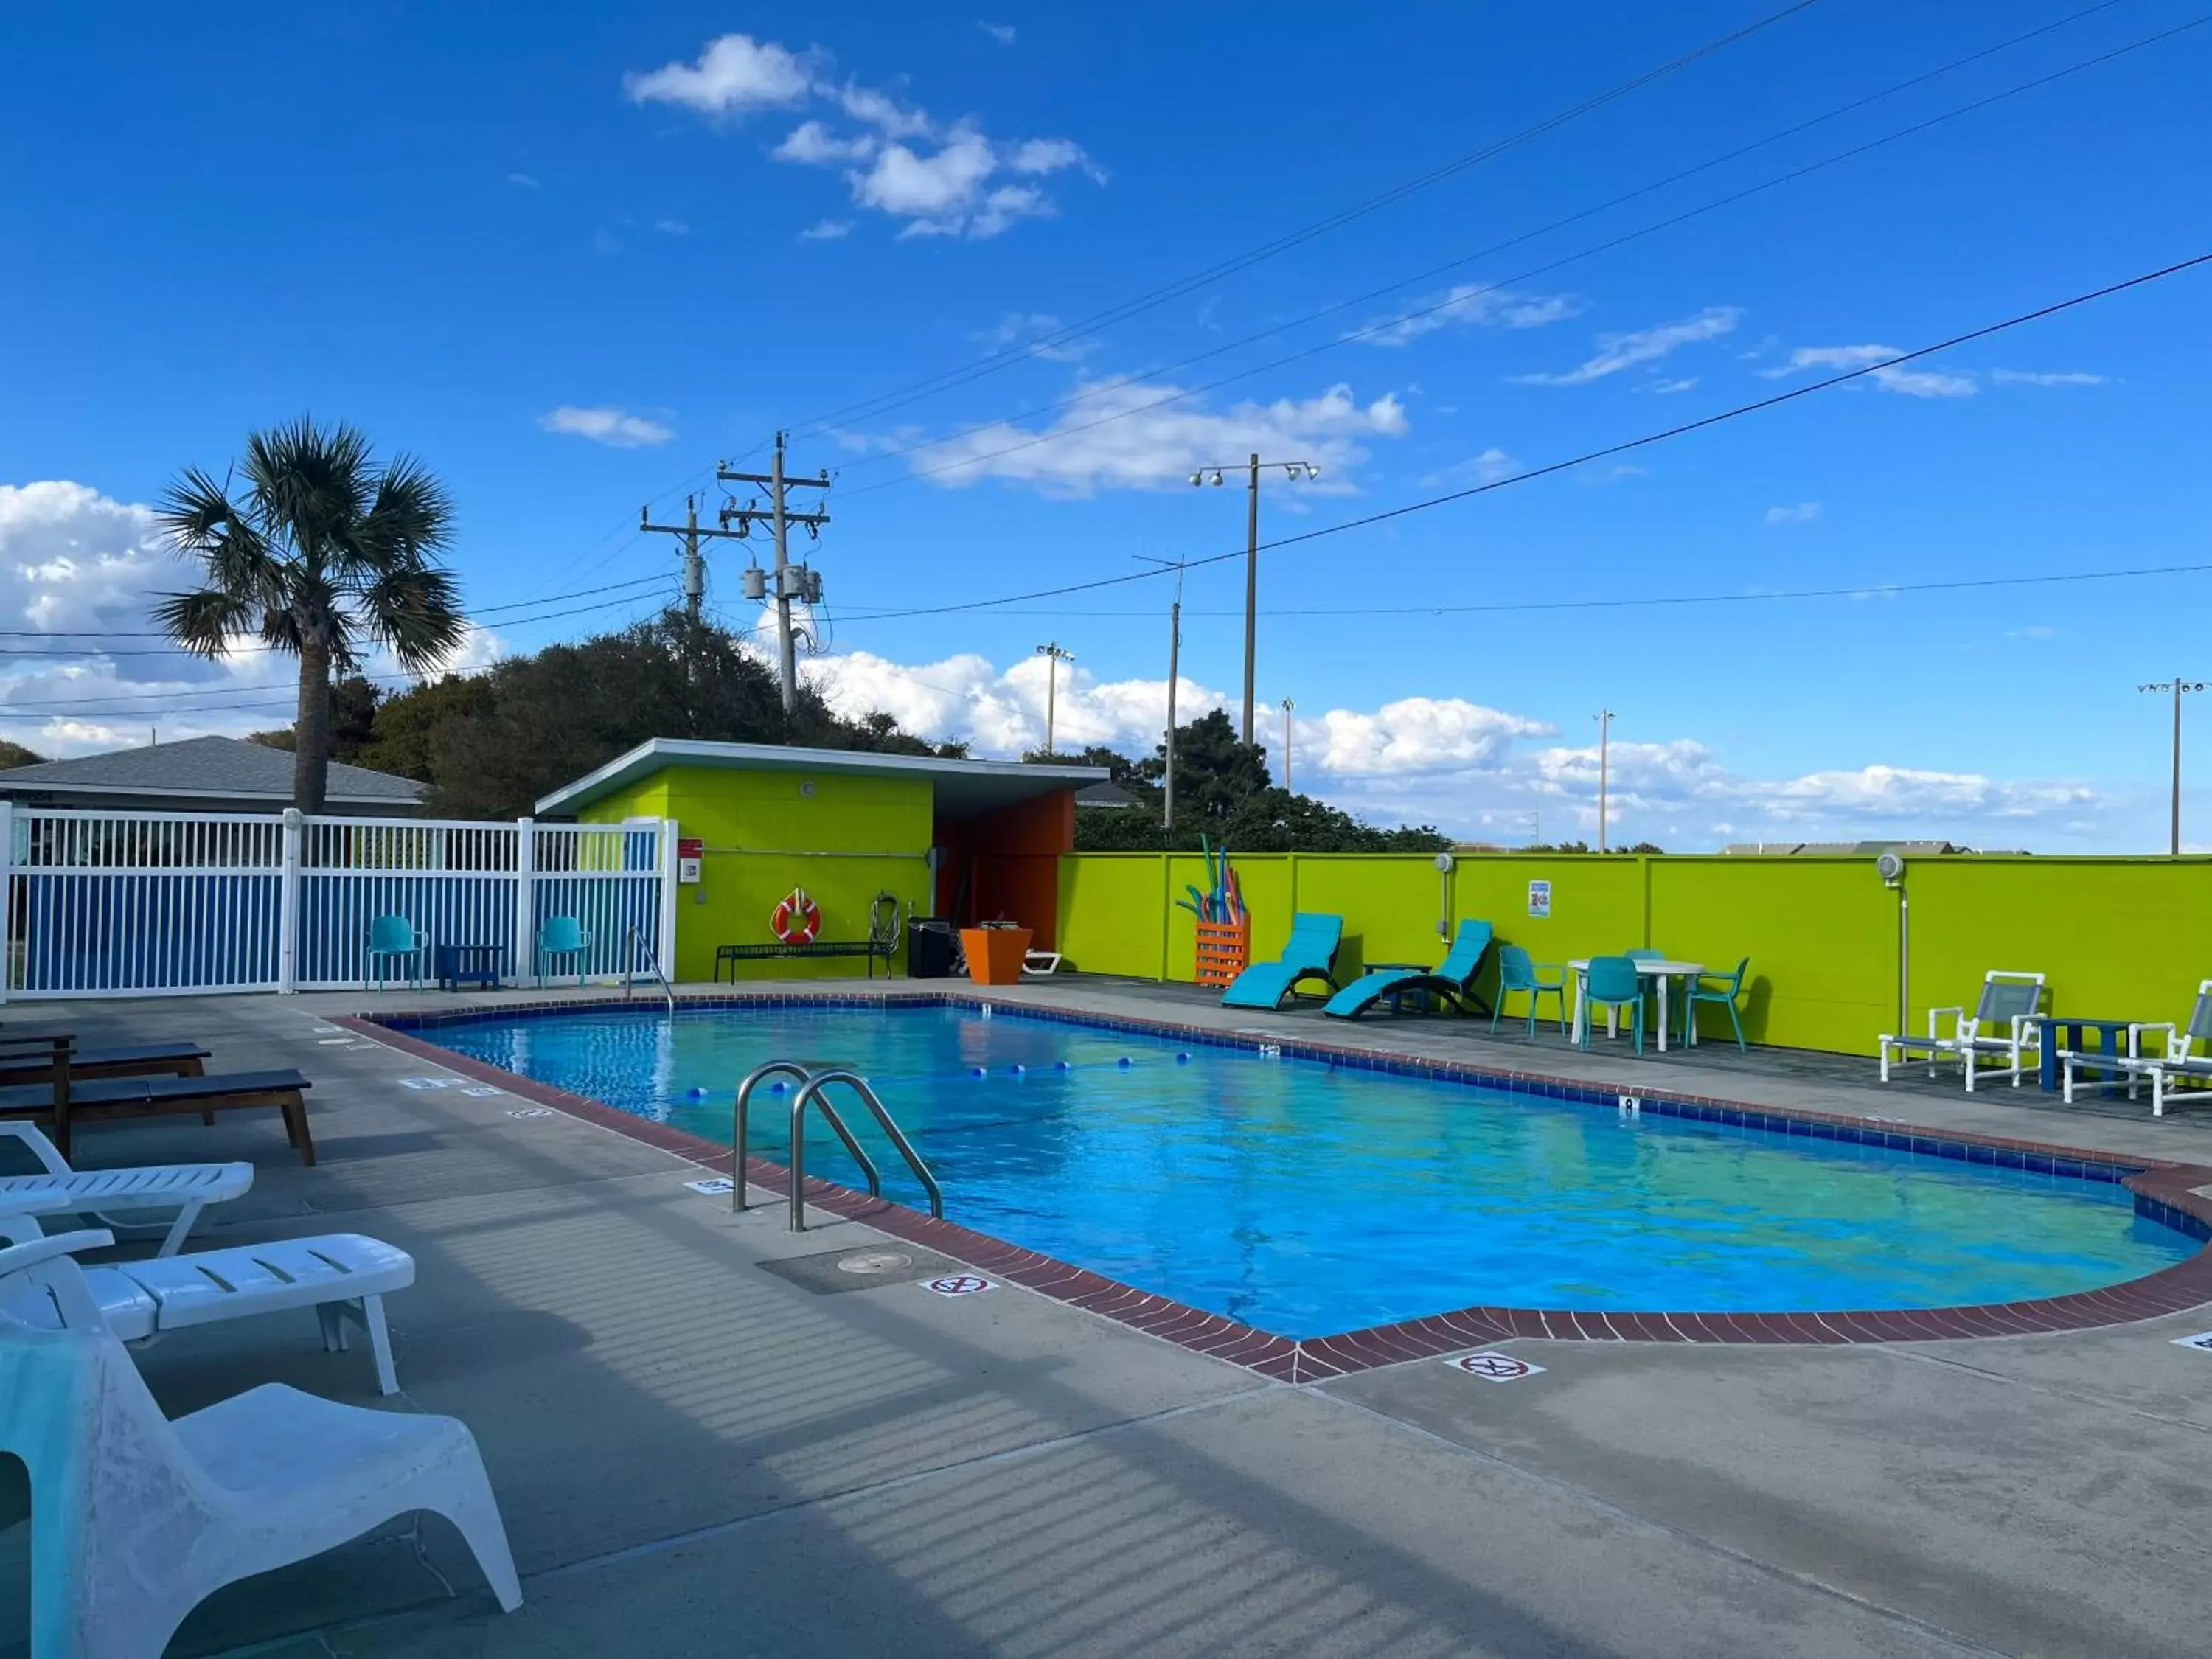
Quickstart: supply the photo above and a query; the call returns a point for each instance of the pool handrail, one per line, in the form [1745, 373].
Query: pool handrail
[810, 1091]
[753, 1079]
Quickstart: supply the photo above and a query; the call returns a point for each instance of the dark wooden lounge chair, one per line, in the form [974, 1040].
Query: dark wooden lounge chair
[60, 1098]
[30, 1060]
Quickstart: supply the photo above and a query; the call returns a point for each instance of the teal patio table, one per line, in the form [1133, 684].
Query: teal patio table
[2111, 1042]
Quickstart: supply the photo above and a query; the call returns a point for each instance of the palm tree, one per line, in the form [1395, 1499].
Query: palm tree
[324, 552]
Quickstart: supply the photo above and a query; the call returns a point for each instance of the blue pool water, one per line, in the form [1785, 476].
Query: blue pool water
[1307, 1199]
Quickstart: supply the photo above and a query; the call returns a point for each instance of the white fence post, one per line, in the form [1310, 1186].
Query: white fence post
[664, 949]
[6, 896]
[525, 896]
[288, 906]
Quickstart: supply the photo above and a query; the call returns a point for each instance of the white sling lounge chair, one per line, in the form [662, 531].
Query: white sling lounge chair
[2003, 1027]
[2175, 1055]
[112, 1194]
[136, 1520]
[341, 1276]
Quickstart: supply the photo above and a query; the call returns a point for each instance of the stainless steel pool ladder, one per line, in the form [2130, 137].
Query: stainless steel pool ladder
[651, 961]
[810, 1093]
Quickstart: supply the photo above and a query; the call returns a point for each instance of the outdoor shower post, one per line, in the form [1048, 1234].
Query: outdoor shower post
[287, 906]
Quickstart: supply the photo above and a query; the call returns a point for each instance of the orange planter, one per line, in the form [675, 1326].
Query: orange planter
[994, 954]
[1224, 949]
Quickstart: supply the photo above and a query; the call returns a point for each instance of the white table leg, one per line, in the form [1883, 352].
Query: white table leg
[1580, 1016]
[1662, 978]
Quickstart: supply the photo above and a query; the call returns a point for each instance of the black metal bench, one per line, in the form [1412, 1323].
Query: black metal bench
[871, 948]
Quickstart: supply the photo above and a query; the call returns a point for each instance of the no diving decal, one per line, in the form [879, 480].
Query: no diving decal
[959, 1284]
[1494, 1367]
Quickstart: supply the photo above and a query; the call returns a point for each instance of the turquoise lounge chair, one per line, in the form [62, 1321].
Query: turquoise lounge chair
[1309, 953]
[1453, 977]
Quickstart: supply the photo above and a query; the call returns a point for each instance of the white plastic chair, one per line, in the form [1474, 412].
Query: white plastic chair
[136, 1520]
[2003, 1026]
[2175, 1058]
[341, 1276]
[187, 1189]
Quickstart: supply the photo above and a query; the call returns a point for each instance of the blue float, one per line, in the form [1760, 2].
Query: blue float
[1182, 1057]
[974, 1071]
[1123, 1062]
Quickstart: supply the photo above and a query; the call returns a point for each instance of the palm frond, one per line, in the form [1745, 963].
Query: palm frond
[415, 610]
[310, 484]
[206, 621]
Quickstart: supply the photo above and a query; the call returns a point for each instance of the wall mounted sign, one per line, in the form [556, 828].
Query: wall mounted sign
[1540, 898]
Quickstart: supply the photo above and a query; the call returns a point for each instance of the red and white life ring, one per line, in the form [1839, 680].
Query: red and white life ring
[797, 920]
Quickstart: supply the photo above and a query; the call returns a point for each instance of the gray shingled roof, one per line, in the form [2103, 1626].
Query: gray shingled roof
[205, 767]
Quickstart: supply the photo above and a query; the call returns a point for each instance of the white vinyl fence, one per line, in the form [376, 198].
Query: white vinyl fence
[178, 904]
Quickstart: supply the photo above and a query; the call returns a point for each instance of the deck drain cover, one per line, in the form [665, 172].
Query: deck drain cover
[850, 1269]
[874, 1261]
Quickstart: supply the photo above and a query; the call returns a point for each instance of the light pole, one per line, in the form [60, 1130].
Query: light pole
[1175, 668]
[1054, 656]
[1287, 706]
[2176, 686]
[1213, 475]
[1604, 756]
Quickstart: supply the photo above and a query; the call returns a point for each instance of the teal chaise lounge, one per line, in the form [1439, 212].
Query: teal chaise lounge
[1452, 978]
[1309, 953]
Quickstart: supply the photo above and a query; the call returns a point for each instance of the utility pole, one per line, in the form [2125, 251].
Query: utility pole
[1287, 706]
[1604, 738]
[2178, 686]
[1213, 474]
[1175, 672]
[695, 568]
[1054, 657]
[791, 581]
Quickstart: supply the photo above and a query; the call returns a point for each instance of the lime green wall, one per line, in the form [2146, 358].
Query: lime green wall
[2121, 937]
[844, 839]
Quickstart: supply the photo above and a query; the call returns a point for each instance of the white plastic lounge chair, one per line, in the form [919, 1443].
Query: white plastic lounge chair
[341, 1276]
[2003, 1027]
[185, 1187]
[2176, 1055]
[1040, 962]
[136, 1520]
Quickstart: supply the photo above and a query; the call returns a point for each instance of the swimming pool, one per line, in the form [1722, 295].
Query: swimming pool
[1305, 1199]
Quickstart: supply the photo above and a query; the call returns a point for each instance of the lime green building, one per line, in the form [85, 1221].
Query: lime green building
[969, 840]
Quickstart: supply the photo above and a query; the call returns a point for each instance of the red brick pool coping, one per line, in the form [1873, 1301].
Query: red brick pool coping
[2173, 1289]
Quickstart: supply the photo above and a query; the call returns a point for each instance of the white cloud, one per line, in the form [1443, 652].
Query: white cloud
[734, 75]
[1908, 382]
[1002, 32]
[1126, 434]
[523, 181]
[827, 230]
[1468, 305]
[1618, 351]
[1491, 465]
[1664, 388]
[1465, 765]
[2026, 376]
[1803, 512]
[1014, 328]
[940, 180]
[615, 428]
[671, 227]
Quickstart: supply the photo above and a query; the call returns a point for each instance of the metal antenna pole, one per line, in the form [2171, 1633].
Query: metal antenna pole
[1251, 594]
[1054, 657]
[1174, 654]
[2178, 686]
[1604, 757]
[1287, 706]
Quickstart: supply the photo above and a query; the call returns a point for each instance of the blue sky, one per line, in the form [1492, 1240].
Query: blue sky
[571, 256]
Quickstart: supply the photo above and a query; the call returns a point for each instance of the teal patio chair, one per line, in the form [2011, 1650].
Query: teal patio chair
[562, 936]
[1453, 978]
[392, 938]
[1518, 971]
[1309, 953]
[1612, 982]
[1722, 988]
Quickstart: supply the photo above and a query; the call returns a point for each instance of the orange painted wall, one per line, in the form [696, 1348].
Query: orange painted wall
[1011, 859]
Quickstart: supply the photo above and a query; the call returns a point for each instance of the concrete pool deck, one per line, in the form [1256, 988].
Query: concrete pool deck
[698, 1457]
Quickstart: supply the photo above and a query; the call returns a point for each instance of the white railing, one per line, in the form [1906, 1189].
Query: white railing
[170, 903]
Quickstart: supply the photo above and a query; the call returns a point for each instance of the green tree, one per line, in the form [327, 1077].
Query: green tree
[325, 553]
[353, 722]
[13, 754]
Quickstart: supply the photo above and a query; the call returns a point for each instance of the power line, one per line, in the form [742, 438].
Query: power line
[932, 385]
[1434, 271]
[1606, 453]
[1090, 393]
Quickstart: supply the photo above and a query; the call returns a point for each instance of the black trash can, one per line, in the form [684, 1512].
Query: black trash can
[931, 948]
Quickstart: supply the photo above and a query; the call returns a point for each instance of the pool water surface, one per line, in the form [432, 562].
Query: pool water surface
[1307, 1199]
